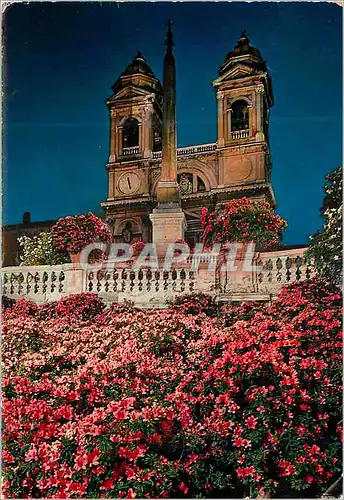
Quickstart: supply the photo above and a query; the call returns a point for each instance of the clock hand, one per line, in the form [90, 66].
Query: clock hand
[129, 182]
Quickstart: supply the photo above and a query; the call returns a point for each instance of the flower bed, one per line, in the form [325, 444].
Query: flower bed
[228, 402]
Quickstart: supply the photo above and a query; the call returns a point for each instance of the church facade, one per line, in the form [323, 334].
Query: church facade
[237, 164]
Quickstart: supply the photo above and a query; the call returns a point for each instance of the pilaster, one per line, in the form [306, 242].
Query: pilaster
[220, 119]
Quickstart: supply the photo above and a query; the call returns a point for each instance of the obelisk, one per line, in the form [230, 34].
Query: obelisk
[168, 219]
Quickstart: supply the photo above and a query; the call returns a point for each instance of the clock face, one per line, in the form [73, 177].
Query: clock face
[129, 183]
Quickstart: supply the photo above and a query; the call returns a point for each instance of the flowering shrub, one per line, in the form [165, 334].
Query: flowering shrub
[80, 305]
[20, 334]
[196, 303]
[40, 250]
[97, 255]
[137, 247]
[180, 241]
[242, 220]
[18, 308]
[72, 234]
[125, 307]
[7, 302]
[174, 404]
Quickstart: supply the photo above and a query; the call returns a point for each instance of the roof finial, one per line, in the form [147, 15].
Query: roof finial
[244, 37]
[169, 36]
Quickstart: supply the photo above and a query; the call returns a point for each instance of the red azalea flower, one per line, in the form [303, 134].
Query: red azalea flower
[251, 422]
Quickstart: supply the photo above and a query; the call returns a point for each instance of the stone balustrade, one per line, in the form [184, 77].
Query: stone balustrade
[42, 283]
[150, 288]
[39, 283]
[240, 134]
[281, 267]
[130, 151]
[145, 287]
[189, 150]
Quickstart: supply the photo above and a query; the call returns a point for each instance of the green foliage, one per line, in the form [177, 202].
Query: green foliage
[326, 245]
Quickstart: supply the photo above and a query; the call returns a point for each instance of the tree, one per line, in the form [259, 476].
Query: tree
[326, 245]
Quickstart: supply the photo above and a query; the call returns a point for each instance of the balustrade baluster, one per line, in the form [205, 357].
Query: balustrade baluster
[149, 277]
[174, 282]
[279, 266]
[90, 277]
[298, 264]
[53, 279]
[115, 277]
[132, 276]
[124, 277]
[288, 266]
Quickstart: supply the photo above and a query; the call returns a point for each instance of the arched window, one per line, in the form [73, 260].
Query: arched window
[200, 185]
[240, 116]
[130, 133]
[190, 183]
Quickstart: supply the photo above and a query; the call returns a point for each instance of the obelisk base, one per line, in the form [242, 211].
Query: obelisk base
[169, 225]
[167, 193]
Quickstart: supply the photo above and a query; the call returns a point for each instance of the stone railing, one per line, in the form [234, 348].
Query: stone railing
[145, 287]
[278, 268]
[240, 134]
[149, 288]
[270, 271]
[189, 150]
[134, 150]
[202, 258]
[38, 283]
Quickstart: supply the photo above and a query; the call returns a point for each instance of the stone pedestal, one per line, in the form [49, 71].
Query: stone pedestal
[169, 225]
[167, 192]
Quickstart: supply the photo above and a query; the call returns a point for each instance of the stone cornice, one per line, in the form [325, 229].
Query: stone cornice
[147, 199]
[237, 147]
[127, 201]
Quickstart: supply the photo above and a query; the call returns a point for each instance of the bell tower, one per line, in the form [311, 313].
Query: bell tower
[135, 112]
[244, 98]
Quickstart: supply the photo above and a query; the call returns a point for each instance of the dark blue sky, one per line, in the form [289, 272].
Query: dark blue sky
[61, 60]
